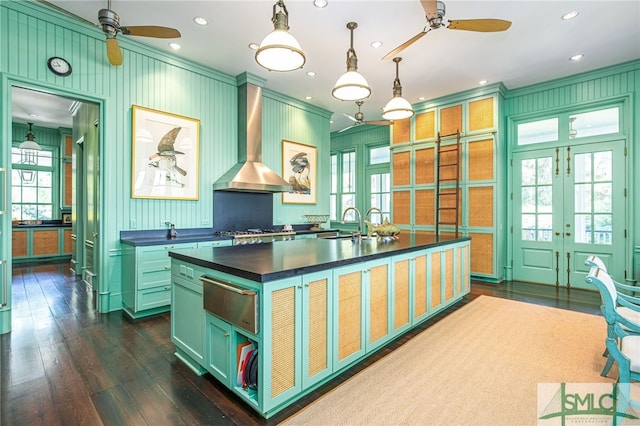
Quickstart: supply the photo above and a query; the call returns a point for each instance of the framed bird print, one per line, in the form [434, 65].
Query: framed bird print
[165, 154]
[299, 169]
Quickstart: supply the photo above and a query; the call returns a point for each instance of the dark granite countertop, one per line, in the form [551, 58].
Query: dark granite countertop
[43, 225]
[158, 237]
[283, 259]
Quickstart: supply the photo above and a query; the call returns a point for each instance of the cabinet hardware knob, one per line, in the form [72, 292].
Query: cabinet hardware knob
[568, 233]
[167, 267]
[167, 287]
[557, 233]
[226, 334]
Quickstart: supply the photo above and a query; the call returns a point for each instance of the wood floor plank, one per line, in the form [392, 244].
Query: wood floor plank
[201, 410]
[116, 407]
[70, 395]
[154, 405]
[95, 374]
[32, 404]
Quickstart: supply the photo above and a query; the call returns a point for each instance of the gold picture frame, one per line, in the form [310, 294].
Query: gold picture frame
[164, 155]
[299, 169]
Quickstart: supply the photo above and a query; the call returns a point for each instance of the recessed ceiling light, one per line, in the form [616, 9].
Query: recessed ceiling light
[570, 15]
[483, 82]
[308, 97]
[32, 115]
[320, 3]
[175, 46]
[311, 73]
[254, 46]
[421, 98]
[576, 58]
[200, 20]
[376, 44]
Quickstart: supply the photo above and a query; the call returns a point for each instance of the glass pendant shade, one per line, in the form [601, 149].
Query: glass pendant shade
[398, 108]
[280, 51]
[30, 144]
[28, 156]
[351, 86]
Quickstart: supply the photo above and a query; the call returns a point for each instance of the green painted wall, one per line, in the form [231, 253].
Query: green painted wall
[30, 33]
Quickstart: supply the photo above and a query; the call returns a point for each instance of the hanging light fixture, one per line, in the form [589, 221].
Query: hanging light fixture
[351, 86]
[280, 51]
[398, 108]
[28, 155]
[572, 132]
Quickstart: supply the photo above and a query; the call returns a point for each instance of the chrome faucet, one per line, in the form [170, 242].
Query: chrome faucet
[344, 214]
[172, 230]
[366, 218]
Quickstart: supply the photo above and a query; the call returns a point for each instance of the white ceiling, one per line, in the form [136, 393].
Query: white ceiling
[536, 48]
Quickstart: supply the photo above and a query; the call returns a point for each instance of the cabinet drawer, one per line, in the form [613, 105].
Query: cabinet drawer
[154, 297]
[154, 279]
[156, 265]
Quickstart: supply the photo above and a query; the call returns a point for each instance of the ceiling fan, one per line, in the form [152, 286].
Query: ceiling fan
[359, 119]
[435, 11]
[110, 23]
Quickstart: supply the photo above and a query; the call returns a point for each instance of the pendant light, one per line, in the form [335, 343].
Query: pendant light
[280, 51]
[398, 108]
[351, 86]
[28, 154]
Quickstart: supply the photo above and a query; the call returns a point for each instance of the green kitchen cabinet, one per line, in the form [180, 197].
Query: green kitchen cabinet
[218, 350]
[362, 303]
[188, 322]
[146, 278]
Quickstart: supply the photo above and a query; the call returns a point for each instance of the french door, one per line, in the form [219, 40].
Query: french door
[568, 203]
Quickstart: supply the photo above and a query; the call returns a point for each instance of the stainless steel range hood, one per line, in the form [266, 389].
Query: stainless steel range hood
[250, 174]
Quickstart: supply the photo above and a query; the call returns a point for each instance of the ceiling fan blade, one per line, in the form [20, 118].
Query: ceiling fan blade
[350, 117]
[430, 8]
[151, 31]
[404, 45]
[481, 25]
[113, 52]
[379, 123]
[346, 128]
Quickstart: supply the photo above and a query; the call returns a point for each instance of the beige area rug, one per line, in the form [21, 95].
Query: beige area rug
[480, 365]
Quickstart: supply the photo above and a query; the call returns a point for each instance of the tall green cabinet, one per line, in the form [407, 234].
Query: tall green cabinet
[482, 183]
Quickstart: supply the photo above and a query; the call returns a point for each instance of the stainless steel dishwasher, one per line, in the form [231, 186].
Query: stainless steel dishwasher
[232, 303]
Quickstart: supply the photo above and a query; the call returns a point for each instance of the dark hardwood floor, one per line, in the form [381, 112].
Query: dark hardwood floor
[64, 364]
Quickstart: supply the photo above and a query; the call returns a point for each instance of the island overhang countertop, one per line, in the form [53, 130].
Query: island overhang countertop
[273, 261]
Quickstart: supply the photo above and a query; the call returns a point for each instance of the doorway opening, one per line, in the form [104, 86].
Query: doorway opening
[53, 186]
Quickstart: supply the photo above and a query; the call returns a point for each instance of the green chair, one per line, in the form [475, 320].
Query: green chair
[630, 314]
[623, 338]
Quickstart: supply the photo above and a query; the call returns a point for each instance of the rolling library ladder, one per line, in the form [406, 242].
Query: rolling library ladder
[448, 183]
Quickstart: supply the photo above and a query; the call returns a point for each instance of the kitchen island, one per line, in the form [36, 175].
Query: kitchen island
[311, 308]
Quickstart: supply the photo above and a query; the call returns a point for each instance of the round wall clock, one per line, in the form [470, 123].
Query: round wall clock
[59, 66]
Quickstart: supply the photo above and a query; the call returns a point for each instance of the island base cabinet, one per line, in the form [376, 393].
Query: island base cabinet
[188, 322]
[218, 351]
[316, 325]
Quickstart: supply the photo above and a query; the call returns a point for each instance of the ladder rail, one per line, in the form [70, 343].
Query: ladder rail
[447, 191]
